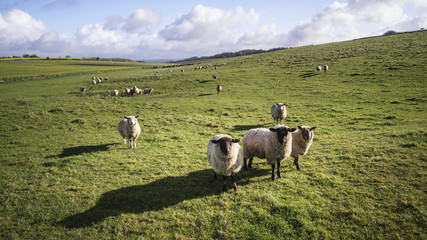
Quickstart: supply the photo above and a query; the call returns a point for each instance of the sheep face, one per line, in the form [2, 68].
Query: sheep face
[132, 120]
[282, 132]
[307, 132]
[225, 144]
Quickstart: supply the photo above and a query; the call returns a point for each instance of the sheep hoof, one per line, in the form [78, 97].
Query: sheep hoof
[235, 187]
[279, 175]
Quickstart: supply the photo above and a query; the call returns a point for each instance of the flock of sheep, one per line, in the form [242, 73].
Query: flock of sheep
[225, 154]
[133, 91]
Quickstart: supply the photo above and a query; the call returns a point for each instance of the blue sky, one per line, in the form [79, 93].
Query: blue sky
[149, 29]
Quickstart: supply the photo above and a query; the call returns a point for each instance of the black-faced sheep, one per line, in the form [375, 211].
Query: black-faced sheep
[218, 88]
[274, 144]
[325, 68]
[301, 142]
[82, 89]
[148, 91]
[225, 156]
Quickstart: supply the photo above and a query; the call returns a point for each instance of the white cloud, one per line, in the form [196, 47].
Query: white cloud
[59, 5]
[17, 26]
[140, 20]
[206, 22]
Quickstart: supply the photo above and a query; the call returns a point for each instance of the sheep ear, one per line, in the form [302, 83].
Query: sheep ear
[235, 140]
[312, 128]
[215, 141]
[126, 117]
[273, 129]
[137, 116]
[299, 127]
[292, 129]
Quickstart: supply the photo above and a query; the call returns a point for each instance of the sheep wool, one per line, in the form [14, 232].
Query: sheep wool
[274, 144]
[278, 112]
[301, 142]
[129, 129]
[225, 156]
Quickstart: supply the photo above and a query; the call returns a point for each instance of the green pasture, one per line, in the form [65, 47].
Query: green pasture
[66, 174]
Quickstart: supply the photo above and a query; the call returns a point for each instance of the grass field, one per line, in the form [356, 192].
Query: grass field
[65, 173]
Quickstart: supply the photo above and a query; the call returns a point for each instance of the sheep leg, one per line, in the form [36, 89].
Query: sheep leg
[224, 183]
[124, 140]
[233, 177]
[279, 175]
[273, 177]
[130, 142]
[250, 162]
[245, 166]
[134, 143]
[297, 163]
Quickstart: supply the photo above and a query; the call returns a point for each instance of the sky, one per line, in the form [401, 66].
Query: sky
[161, 29]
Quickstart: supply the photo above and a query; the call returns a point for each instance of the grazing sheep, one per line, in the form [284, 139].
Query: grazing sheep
[278, 112]
[129, 129]
[148, 91]
[82, 89]
[225, 156]
[319, 68]
[325, 68]
[274, 144]
[127, 91]
[94, 82]
[182, 70]
[93, 78]
[99, 80]
[218, 88]
[106, 78]
[135, 91]
[301, 142]
[116, 93]
[215, 76]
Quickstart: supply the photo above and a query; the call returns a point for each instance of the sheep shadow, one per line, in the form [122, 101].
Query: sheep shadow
[310, 74]
[155, 196]
[73, 151]
[246, 127]
[205, 94]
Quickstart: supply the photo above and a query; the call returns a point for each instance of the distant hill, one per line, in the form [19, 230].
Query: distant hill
[226, 55]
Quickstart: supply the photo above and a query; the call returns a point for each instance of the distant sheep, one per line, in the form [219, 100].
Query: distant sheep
[135, 91]
[301, 142]
[106, 79]
[148, 91]
[94, 82]
[82, 89]
[93, 78]
[182, 70]
[116, 93]
[325, 68]
[274, 144]
[319, 68]
[218, 88]
[129, 129]
[225, 156]
[215, 76]
[128, 91]
[278, 112]
[99, 80]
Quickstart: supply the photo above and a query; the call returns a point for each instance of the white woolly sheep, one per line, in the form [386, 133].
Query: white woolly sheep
[325, 68]
[135, 91]
[278, 112]
[99, 80]
[301, 142]
[215, 76]
[82, 89]
[182, 70]
[274, 144]
[148, 91]
[225, 156]
[127, 91]
[106, 78]
[116, 92]
[129, 129]
[93, 78]
[94, 82]
[319, 68]
[218, 88]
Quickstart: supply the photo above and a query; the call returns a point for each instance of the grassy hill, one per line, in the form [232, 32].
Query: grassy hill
[65, 173]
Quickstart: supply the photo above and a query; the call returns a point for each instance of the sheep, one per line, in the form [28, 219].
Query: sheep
[99, 80]
[319, 68]
[182, 70]
[82, 89]
[218, 88]
[116, 92]
[301, 142]
[278, 112]
[325, 68]
[215, 76]
[129, 129]
[135, 91]
[94, 82]
[148, 91]
[225, 156]
[274, 144]
[93, 78]
[106, 79]
[127, 91]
